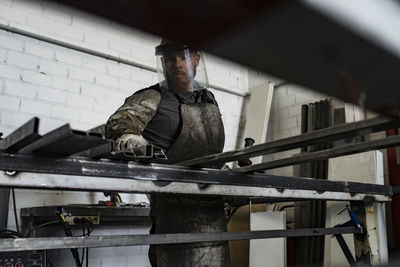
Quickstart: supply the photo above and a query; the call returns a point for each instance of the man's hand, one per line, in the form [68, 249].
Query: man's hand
[127, 141]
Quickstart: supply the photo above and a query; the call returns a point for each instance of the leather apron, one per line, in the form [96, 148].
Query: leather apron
[202, 134]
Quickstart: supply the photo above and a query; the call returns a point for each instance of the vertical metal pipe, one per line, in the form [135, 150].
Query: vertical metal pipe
[304, 122]
[4, 204]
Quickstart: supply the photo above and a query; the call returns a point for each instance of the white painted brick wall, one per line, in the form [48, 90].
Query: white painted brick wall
[36, 78]
[51, 67]
[40, 50]
[11, 43]
[9, 103]
[61, 86]
[9, 72]
[19, 88]
[22, 60]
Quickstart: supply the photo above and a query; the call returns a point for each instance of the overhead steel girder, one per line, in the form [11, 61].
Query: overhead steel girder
[137, 177]
[21, 244]
[295, 40]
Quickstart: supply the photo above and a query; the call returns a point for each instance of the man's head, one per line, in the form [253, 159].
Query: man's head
[179, 64]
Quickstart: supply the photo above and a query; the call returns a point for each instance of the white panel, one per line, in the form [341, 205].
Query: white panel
[272, 251]
[258, 112]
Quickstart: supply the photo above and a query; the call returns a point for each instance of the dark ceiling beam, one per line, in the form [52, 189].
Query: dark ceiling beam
[288, 39]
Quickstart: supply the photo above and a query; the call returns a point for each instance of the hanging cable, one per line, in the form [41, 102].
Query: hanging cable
[40, 226]
[7, 233]
[83, 249]
[68, 232]
[87, 251]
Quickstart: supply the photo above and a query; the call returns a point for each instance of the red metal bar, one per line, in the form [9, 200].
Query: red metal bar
[394, 180]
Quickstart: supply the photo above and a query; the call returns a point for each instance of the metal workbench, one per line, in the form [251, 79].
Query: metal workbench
[25, 154]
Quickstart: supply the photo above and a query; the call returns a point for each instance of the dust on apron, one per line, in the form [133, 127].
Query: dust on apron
[202, 134]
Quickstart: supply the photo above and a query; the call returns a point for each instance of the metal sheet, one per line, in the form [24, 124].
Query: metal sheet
[21, 244]
[101, 184]
[170, 173]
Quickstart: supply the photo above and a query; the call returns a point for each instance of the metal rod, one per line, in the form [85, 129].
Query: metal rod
[325, 154]
[323, 135]
[21, 137]
[170, 173]
[21, 244]
[100, 54]
[346, 250]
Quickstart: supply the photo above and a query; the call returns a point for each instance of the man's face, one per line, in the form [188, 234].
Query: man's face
[180, 69]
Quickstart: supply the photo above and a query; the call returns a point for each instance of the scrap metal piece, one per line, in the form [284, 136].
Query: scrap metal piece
[64, 141]
[346, 250]
[142, 152]
[21, 137]
[101, 151]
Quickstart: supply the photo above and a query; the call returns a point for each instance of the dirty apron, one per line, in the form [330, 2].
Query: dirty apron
[202, 134]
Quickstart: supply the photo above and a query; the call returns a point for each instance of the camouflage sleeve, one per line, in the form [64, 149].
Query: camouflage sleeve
[133, 116]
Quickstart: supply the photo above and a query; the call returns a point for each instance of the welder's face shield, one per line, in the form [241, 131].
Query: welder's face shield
[180, 69]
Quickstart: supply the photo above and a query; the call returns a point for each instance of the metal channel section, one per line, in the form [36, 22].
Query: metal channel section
[21, 137]
[21, 244]
[64, 141]
[323, 135]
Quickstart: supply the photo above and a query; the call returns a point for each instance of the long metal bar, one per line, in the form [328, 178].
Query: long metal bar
[21, 244]
[76, 142]
[326, 154]
[169, 173]
[232, 192]
[21, 137]
[346, 250]
[49, 138]
[323, 135]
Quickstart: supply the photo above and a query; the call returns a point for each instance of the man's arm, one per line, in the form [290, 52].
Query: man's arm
[134, 115]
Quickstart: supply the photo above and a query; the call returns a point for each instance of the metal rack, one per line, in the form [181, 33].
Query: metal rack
[25, 153]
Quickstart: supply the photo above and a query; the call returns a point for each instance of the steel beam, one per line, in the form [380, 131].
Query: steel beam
[326, 154]
[21, 244]
[21, 137]
[101, 184]
[323, 135]
[170, 173]
[64, 141]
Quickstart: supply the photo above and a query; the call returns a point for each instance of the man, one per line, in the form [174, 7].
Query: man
[182, 117]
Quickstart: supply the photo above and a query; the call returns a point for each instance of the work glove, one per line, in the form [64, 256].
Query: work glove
[129, 141]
